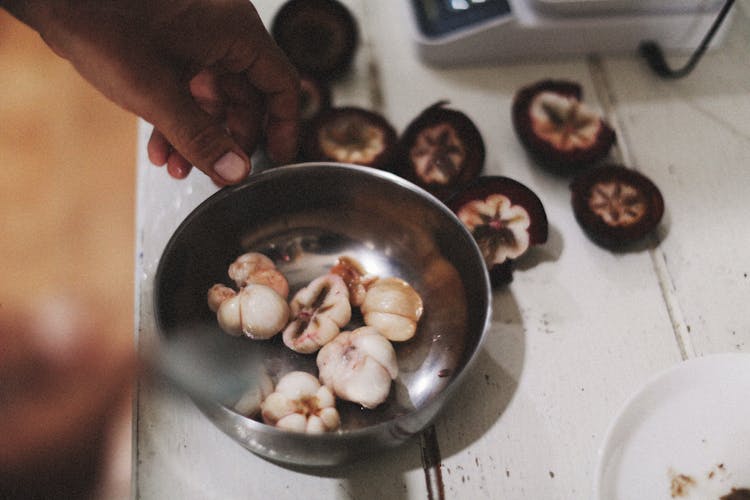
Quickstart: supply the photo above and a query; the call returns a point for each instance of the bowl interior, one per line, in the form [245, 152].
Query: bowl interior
[305, 217]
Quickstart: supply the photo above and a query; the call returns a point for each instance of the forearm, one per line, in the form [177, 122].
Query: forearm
[32, 12]
[145, 54]
[59, 22]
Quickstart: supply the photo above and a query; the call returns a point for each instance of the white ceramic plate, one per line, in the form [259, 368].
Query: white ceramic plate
[684, 435]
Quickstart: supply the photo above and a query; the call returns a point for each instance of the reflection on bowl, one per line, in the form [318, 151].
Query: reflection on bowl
[305, 217]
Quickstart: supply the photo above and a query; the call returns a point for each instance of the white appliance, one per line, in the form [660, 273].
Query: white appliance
[452, 32]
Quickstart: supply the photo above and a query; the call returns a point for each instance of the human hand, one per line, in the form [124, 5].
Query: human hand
[206, 74]
[63, 377]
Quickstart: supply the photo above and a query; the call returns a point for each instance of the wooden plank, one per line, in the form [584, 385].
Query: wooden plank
[566, 345]
[692, 137]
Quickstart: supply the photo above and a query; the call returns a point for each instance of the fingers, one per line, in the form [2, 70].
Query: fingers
[161, 152]
[204, 142]
[245, 110]
[228, 97]
[273, 75]
[217, 122]
[269, 71]
[198, 136]
[205, 87]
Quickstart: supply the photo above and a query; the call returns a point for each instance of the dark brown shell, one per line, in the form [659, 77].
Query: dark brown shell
[544, 152]
[606, 235]
[312, 149]
[518, 194]
[319, 37]
[468, 133]
[315, 96]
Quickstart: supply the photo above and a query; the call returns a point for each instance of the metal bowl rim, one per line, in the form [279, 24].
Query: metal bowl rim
[254, 179]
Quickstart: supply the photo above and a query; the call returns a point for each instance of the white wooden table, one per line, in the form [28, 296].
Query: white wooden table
[572, 337]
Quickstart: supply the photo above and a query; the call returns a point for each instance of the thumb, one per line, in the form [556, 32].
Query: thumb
[200, 138]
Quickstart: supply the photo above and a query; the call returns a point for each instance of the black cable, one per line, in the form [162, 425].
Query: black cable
[653, 54]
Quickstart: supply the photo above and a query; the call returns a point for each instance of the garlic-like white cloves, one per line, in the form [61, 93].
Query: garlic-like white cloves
[257, 311]
[218, 294]
[318, 312]
[357, 281]
[393, 307]
[359, 366]
[299, 403]
[254, 267]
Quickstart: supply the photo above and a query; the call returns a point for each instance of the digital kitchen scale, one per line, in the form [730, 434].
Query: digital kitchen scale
[451, 32]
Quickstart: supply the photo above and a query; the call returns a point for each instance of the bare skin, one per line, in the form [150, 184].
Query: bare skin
[211, 80]
[205, 73]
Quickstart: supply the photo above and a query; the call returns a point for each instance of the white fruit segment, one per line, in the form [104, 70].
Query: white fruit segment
[299, 403]
[617, 203]
[357, 281]
[257, 311]
[563, 121]
[359, 366]
[393, 307]
[437, 154]
[218, 294]
[500, 228]
[346, 140]
[318, 312]
[254, 267]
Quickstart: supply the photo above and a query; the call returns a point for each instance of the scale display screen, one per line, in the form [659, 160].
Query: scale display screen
[440, 17]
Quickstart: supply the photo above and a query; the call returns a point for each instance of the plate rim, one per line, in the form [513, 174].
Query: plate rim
[654, 380]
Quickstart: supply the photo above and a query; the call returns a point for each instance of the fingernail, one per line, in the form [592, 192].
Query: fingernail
[231, 168]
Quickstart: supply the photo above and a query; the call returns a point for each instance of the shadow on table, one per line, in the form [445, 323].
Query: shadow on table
[547, 252]
[481, 399]
[379, 475]
[490, 386]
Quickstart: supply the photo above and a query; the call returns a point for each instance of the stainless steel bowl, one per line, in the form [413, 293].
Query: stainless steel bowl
[304, 217]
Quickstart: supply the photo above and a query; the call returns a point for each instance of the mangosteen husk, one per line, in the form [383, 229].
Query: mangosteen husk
[320, 37]
[518, 194]
[313, 150]
[611, 236]
[466, 131]
[546, 154]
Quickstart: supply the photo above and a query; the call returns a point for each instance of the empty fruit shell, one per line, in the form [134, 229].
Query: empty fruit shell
[615, 205]
[350, 135]
[319, 37]
[315, 96]
[557, 128]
